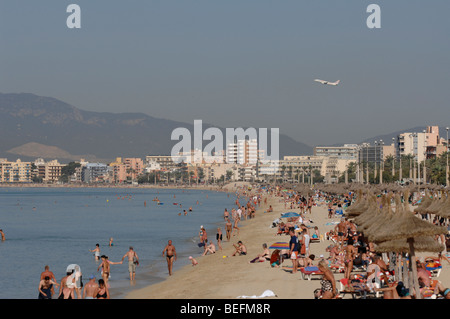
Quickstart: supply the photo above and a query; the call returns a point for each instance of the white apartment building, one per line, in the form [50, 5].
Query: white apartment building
[348, 151]
[242, 152]
[412, 144]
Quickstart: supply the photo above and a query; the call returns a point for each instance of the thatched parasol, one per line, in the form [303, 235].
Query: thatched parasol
[370, 213]
[361, 208]
[426, 201]
[406, 226]
[444, 211]
[385, 217]
[422, 244]
[436, 205]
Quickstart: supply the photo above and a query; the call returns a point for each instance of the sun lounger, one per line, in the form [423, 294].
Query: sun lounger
[308, 272]
[434, 267]
[356, 289]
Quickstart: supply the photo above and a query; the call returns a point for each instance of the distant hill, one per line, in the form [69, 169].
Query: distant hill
[33, 126]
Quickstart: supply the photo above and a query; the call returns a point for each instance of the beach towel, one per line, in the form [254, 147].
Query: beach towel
[267, 293]
[312, 268]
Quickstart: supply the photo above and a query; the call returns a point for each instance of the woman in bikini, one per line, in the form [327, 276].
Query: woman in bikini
[328, 284]
[106, 267]
[102, 290]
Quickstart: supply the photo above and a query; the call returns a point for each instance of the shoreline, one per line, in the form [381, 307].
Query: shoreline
[140, 186]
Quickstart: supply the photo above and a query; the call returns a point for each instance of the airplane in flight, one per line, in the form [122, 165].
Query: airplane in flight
[327, 82]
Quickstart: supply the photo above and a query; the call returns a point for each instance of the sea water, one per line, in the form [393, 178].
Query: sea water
[58, 226]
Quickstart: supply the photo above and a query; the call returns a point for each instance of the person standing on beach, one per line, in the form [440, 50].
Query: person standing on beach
[46, 288]
[228, 228]
[341, 229]
[293, 249]
[219, 238]
[48, 273]
[102, 291]
[226, 214]
[67, 286]
[235, 226]
[2, 234]
[171, 255]
[133, 261]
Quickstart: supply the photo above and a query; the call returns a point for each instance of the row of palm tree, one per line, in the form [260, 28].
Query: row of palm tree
[436, 170]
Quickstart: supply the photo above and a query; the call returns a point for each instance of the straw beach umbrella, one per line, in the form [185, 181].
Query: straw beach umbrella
[421, 244]
[406, 226]
[426, 201]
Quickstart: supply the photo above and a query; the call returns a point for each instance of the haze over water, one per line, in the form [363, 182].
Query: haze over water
[58, 226]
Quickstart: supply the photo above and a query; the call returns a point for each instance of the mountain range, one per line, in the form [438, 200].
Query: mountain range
[33, 126]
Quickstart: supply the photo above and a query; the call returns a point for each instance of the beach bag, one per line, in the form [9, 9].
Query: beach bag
[302, 246]
[303, 250]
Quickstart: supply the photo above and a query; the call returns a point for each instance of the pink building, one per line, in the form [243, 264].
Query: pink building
[127, 170]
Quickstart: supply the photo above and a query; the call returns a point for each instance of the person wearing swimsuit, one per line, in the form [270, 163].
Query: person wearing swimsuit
[102, 292]
[171, 255]
[328, 284]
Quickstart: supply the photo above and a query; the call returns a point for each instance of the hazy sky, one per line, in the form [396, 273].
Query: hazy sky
[238, 63]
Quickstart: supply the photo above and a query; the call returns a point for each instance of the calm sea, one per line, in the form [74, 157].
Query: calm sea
[58, 226]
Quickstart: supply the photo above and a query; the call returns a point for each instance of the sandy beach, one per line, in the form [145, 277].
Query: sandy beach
[223, 276]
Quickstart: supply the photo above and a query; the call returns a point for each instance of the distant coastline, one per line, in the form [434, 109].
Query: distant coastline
[230, 187]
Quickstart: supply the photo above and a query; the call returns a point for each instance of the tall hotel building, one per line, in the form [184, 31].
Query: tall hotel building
[242, 152]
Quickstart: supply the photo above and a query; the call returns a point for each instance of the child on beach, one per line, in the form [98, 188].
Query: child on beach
[194, 262]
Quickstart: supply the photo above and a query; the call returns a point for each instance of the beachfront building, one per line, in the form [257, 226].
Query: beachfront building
[15, 172]
[49, 172]
[300, 168]
[421, 145]
[165, 162]
[412, 144]
[219, 171]
[94, 173]
[199, 157]
[348, 151]
[243, 152]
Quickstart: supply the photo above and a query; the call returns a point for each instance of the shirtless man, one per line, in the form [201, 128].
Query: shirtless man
[228, 228]
[133, 261]
[46, 288]
[211, 248]
[90, 288]
[341, 229]
[240, 249]
[171, 255]
[48, 273]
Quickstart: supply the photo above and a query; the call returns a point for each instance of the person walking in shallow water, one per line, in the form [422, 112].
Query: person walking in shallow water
[171, 255]
[96, 252]
[133, 261]
[106, 267]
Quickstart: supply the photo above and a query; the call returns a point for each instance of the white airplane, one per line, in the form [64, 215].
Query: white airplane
[327, 82]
